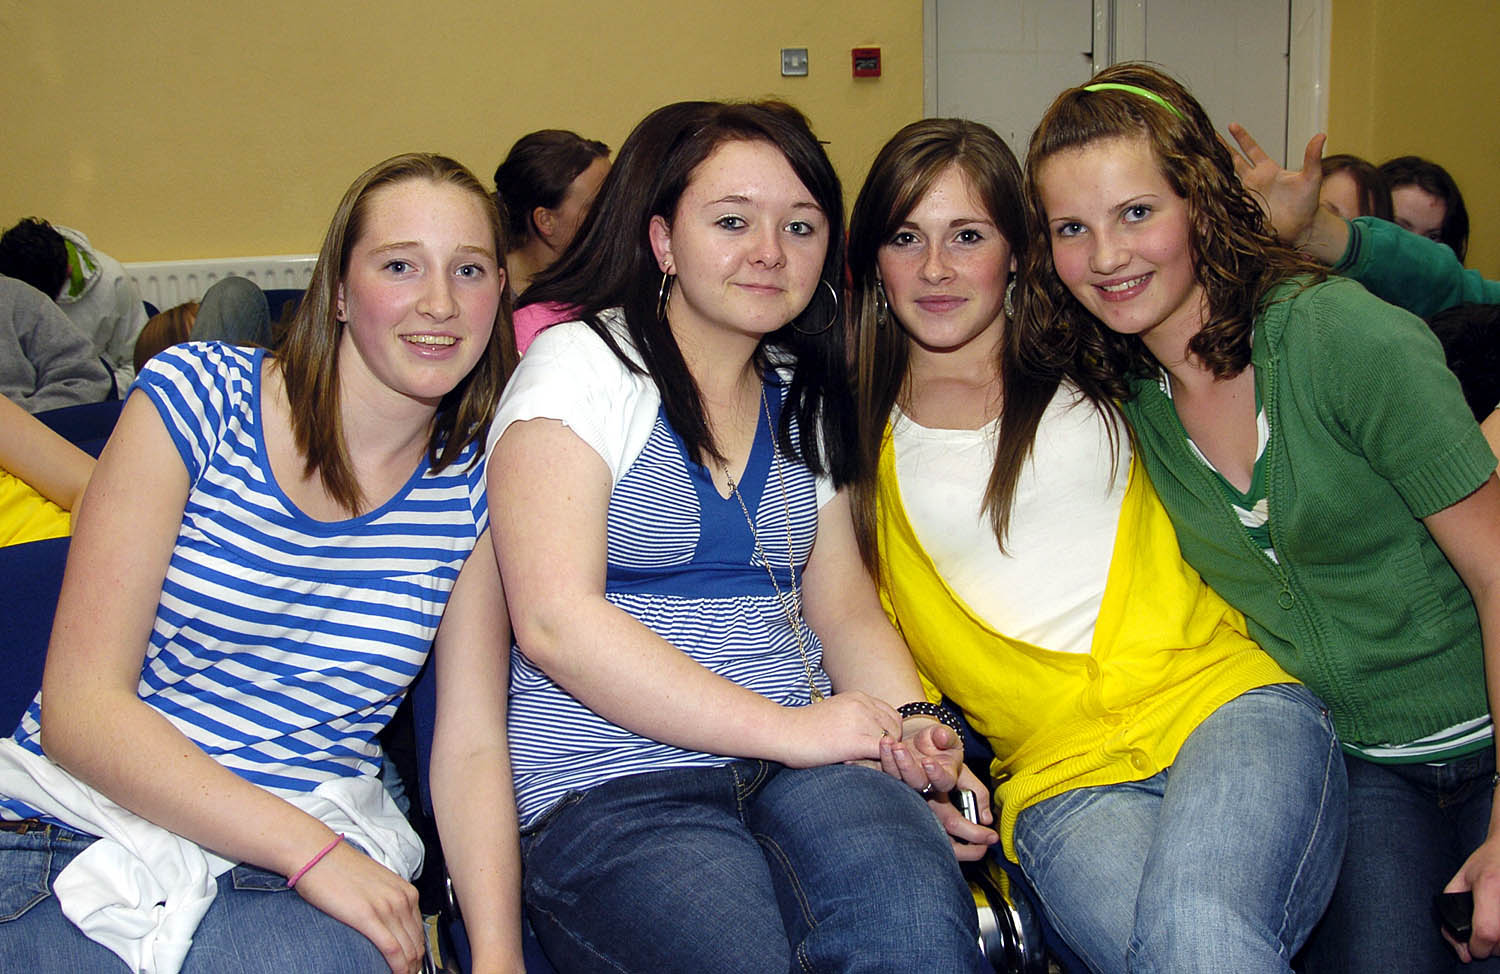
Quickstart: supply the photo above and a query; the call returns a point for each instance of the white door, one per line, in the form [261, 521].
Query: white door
[1257, 62]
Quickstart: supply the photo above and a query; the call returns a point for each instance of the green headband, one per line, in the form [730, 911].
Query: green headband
[1137, 90]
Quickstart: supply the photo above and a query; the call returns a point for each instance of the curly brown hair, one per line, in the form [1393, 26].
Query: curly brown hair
[1236, 257]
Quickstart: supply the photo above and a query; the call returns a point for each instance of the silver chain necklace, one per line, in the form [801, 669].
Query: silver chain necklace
[792, 608]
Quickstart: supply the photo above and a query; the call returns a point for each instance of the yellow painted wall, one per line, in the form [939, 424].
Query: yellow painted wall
[1422, 77]
[169, 129]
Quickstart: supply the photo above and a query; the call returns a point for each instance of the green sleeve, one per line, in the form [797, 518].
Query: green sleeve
[1410, 271]
[1384, 387]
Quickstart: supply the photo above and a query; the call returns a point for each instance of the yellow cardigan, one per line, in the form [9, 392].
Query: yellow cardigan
[26, 515]
[1167, 651]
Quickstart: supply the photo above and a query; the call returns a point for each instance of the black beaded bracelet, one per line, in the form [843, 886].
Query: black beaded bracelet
[922, 708]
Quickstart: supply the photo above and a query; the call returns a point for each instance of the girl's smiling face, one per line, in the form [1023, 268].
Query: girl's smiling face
[945, 269]
[421, 293]
[1121, 241]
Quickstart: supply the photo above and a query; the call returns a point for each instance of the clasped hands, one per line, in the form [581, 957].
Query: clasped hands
[929, 758]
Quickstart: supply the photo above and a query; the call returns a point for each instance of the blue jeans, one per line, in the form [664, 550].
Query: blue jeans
[1222, 862]
[255, 925]
[1410, 827]
[748, 867]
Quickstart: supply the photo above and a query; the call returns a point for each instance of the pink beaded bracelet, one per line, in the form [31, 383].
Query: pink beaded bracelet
[292, 881]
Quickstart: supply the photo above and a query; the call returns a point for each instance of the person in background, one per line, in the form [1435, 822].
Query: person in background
[89, 285]
[544, 304]
[1407, 269]
[545, 187]
[1426, 201]
[1353, 187]
[233, 310]
[1470, 334]
[44, 362]
[163, 330]
[1324, 475]
[1410, 271]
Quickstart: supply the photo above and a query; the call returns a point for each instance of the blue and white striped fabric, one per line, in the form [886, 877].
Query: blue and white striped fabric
[283, 644]
[681, 559]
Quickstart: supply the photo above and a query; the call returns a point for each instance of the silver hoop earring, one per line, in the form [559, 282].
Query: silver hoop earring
[882, 306]
[663, 293]
[831, 318]
[1010, 307]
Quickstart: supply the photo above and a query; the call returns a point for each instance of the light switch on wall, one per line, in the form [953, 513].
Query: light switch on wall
[794, 62]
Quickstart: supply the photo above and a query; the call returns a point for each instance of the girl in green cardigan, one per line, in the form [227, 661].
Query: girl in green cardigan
[1323, 474]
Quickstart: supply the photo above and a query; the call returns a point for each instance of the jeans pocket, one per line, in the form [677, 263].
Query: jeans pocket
[252, 878]
[25, 880]
[529, 833]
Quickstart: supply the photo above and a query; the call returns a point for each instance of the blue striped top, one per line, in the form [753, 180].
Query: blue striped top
[283, 644]
[681, 560]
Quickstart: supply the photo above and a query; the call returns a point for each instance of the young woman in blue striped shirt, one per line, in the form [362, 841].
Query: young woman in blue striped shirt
[260, 565]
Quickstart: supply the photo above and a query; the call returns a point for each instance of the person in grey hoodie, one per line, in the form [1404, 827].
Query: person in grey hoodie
[45, 361]
[90, 286]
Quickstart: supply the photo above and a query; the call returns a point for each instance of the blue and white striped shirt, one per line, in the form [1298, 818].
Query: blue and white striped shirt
[283, 644]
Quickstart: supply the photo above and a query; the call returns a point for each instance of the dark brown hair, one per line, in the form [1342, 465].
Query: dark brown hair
[537, 172]
[1236, 258]
[900, 177]
[1432, 178]
[309, 355]
[611, 264]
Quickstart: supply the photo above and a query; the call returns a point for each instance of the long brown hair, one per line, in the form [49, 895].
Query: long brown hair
[901, 175]
[309, 355]
[1236, 258]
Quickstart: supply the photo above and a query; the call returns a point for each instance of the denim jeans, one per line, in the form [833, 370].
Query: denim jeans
[748, 867]
[1222, 862]
[1410, 827]
[255, 925]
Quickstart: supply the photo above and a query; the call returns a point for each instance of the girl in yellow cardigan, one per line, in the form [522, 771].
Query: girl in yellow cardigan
[1174, 797]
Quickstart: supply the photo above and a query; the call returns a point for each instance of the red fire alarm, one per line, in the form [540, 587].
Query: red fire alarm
[866, 62]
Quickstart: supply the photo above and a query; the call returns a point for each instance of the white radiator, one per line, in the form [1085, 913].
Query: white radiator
[168, 283]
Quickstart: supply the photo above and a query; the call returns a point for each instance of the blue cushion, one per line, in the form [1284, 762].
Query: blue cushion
[30, 578]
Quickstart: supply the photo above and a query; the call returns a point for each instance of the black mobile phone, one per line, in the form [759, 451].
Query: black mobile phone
[1456, 912]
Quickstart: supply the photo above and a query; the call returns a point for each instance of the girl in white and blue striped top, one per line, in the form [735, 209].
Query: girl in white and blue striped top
[701, 663]
[269, 547]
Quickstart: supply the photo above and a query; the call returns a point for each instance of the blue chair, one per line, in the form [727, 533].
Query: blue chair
[277, 299]
[423, 696]
[1023, 941]
[30, 579]
[86, 426]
